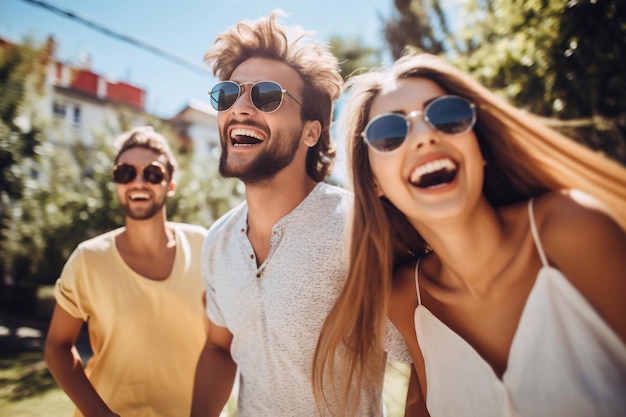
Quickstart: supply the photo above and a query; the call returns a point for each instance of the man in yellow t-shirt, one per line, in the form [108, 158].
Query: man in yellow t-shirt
[140, 290]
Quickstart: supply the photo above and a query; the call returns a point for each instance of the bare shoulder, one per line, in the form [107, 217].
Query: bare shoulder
[571, 222]
[403, 295]
[589, 248]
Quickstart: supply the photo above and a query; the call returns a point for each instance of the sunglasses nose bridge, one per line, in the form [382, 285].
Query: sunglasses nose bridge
[244, 98]
[419, 131]
[138, 177]
[413, 124]
[413, 115]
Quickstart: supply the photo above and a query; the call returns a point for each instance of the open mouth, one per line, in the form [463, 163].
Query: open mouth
[139, 196]
[245, 137]
[434, 173]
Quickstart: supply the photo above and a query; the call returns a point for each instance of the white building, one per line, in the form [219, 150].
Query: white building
[76, 103]
[196, 126]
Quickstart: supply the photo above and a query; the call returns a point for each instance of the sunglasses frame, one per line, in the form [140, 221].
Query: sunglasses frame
[253, 84]
[145, 176]
[412, 115]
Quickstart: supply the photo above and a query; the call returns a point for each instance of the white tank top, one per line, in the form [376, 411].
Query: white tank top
[564, 359]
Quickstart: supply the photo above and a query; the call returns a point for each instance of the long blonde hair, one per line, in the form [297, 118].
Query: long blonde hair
[312, 60]
[524, 159]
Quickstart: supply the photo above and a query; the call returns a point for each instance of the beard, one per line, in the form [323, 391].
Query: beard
[143, 214]
[269, 162]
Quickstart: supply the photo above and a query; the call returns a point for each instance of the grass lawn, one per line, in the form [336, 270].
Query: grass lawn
[28, 390]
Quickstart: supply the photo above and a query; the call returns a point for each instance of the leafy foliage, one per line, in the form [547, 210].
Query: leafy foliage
[410, 27]
[555, 58]
[353, 55]
[55, 196]
[18, 66]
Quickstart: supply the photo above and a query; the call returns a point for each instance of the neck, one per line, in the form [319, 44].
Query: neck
[468, 248]
[149, 234]
[272, 200]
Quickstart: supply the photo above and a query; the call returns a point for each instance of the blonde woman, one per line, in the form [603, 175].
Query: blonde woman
[494, 244]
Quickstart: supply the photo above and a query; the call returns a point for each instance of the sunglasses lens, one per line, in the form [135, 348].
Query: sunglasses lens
[387, 132]
[124, 173]
[451, 115]
[154, 174]
[266, 96]
[224, 94]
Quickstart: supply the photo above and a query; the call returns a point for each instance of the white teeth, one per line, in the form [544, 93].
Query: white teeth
[245, 132]
[432, 166]
[139, 196]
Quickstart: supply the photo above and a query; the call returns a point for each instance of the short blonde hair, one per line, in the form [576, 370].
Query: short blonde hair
[312, 60]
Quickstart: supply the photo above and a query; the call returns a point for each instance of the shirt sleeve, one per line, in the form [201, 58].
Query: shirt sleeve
[212, 308]
[67, 289]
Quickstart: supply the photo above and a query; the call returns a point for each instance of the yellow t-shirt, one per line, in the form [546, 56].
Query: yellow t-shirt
[146, 335]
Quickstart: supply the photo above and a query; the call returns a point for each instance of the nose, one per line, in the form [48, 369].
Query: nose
[138, 177]
[243, 104]
[420, 133]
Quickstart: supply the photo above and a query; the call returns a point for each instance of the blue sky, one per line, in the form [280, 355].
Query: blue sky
[185, 28]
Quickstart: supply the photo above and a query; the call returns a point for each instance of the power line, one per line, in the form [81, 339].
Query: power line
[129, 39]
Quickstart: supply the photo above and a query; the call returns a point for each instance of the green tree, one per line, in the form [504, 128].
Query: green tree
[417, 25]
[22, 71]
[202, 195]
[559, 59]
[21, 67]
[354, 55]
[589, 63]
[66, 200]
[55, 196]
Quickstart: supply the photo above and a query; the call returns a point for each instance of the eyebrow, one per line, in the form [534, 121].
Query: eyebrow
[426, 103]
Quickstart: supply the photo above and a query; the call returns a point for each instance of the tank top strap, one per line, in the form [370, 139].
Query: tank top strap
[533, 230]
[417, 284]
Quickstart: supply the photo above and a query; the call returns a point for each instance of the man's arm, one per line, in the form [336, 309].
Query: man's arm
[215, 374]
[66, 367]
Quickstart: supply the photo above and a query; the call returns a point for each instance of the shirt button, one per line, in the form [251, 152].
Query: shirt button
[252, 256]
[258, 275]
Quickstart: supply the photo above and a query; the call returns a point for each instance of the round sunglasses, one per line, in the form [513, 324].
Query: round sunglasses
[154, 173]
[446, 114]
[266, 96]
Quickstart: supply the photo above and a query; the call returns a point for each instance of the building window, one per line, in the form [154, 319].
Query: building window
[58, 109]
[76, 117]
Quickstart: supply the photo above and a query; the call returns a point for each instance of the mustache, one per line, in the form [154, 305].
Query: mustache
[245, 122]
[242, 122]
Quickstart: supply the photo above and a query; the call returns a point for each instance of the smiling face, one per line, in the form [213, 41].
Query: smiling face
[139, 198]
[257, 145]
[432, 175]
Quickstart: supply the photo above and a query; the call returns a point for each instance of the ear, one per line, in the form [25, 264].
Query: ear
[171, 188]
[311, 132]
[377, 189]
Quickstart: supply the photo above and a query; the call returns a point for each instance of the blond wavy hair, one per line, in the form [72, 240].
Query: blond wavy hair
[524, 158]
[312, 60]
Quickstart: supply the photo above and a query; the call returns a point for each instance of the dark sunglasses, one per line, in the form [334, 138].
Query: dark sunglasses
[446, 114]
[266, 96]
[153, 173]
